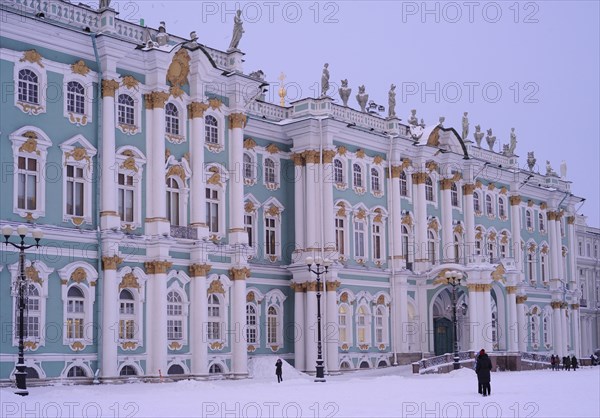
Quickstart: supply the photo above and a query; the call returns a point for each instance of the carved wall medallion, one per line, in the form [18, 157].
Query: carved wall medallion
[249, 143]
[30, 146]
[249, 207]
[215, 287]
[272, 149]
[273, 211]
[79, 275]
[129, 281]
[77, 346]
[80, 68]
[33, 57]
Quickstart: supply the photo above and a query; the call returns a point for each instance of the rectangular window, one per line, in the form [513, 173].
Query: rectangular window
[27, 186]
[174, 329]
[249, 228]
[212, 210]
[126, 191]
[127, 329]
[339, 236]
[377, 242]
[270, 236]
[359, 239]
[75, 187]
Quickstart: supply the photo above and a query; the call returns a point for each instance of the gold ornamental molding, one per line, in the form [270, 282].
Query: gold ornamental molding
[111, 262]
[361, 214]
[175, 346]
[380, 300]
[215, 287]
[471, 287]
[30, 345]
[491, 186]
[396, 171]
[333, 286]
[272, 149]
[458, 229]
[130, 82]
[575, 306]
[129, 345]
[298, 159]
[157, 266]
[79, 275]
[178, 72]
[176, 170]
[249, 143]
[328, 156]
[32, 274]
[33, 57]
[364, 347]
[250, 297]
[530, 203]
[341, 212]
[239, 273]
[109, 87]
[215, 104]
[80, 68]
[237, 120]
[249, 207]
[406, 162]
[446, 184]
[478, 184]
[298, 287]
[468, 189]
[556, 304]
[431, 166]
[197, 109]
[433, 224]
[77, 346]
[251, 348]
[543, 206]
[571, 220]
[406, 220]
[156, 100]
[216, 345]
[311, 156]
[342, 150]
[313, 287]
[344, 297]
[273, 211]
[515, 200]
[503, 190]
[360, 153]
[345, 347]
[199, 270]
[78, 154]
[511, 289]
[129, 281]
[521, 299]
[30, 146]
[498, 274]
[419, 178]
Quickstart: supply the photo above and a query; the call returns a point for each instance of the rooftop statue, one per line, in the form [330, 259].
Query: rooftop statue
[362, 98]
[491, 139]
[549, 170]
[392, 102]
[513, 141]
[345, 92]
[104, 4]
[478, 135]
[162, 37]
[442, 119]
[413, 117]
[465, 126]
[531, 160]
[325, 80]
[563, 170]
[238, 31]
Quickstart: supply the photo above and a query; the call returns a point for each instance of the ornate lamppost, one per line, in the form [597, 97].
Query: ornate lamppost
[454, 278]
[22, 230]
[321, 267]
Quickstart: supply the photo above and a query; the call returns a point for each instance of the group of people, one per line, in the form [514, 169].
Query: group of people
[567, 362]
[483, 368]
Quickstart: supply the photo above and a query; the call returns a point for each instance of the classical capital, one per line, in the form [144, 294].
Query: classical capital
[575, 306]
[298, 287]
[239, 273]
[521, 299]
[199, 270]
[446, 184]
[468, 188]
[571, 220]
[109, 87]
[313, 287]
[237, 120]
[332, 286]
[197, 109]
[298, 159]
[419, 178]
[328, 156]
[111, 262]
[156, 100]
[556, 304]
[311, 156]
[511, 289]
[551, 215]
[396, 171]
[157, 267]
[515, 200]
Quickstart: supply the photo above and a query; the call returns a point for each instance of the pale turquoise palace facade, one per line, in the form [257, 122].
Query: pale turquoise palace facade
[178, 210]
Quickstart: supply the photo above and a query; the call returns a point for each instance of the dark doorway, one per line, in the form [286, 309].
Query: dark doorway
[443, 336]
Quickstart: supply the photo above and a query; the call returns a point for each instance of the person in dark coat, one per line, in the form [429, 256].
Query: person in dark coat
[278, 370]
[479, 386]
[483, 370]
[574, 363]
[567, 363]
[552, 361]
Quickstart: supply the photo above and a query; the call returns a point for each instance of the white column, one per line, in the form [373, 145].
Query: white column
[565, 330]
[447, 233]
[299, 203]
[149, 174]
[331, 328]
[110, 311]
[237, 337]
[108, 204]
[198, 181]
[576, 330]
[572, 251]
[327, 211]
[403, 328]
[561, 273]
[515, 224]
[522, 318]
[300, 331]
[310, 327]
[420, 210]
[156, 317]
[557, 329]
[475, 316]
[237, 232]
[199, 319]
[396, 218]
[469, 220]
[427, 326]
[312, 215]
[554, 248]
[513, 323]
[486, 296]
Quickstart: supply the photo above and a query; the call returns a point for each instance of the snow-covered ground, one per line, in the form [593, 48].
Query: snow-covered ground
[366, 393]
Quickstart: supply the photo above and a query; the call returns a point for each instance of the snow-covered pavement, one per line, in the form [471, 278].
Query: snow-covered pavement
[387, 392]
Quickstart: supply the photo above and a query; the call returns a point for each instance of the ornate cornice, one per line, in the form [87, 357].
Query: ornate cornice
[111, 262]
[157, 266]
[197, 109]
[109, 87]
[237, 120]
[199, 270]
[239, 273]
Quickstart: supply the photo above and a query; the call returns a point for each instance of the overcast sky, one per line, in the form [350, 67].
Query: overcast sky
[533, 66]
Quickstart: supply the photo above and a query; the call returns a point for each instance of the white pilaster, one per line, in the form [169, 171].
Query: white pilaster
[199, 319]
[310, 328]
[156, 330]
[237, 232]
[515, 223]
[420, 210]
[300, 330]
[300, 220]
[447, 233]
[108, 204]
[240, 356]
[198, 181]
[110, 310]
[331, 328]
[469, 212]
[522, 326]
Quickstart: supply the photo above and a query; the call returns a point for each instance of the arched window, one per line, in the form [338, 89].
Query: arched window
[362, 326]
[33, 309]
[501, 207]
[359, 238]
[343, 324]
[251, 324]
[379, 325]
[28, 87]
[211, 126]
[546, 330]
[269, 171]
[270, 236]
[128, 371]
[403, 184]
[357, 175]
[76, 371]
[215, 369]
[377, 238]
[489, 207]
[249, 225]
[456, 249]
[375, 187]
[174, 317]
[272, 325]
[127, 315]
[171, 119]
[214, 318]
[338, 171]
[454, 195]
[429, 189]
[544, 267]
[175, 369]
[212, 209]
[404, 237]
[126, 194]
[541, 223]
[431, 246]
[530, 267]
[340, 235]
[528, 219]
[75, 313]
[248, 168]
[534, 326]
[173, 201]
[476, 202]
[126, 110]
[75, 98]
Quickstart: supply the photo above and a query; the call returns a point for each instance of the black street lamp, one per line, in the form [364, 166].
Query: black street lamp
[454, 278]
[321, 268]
[22, 230]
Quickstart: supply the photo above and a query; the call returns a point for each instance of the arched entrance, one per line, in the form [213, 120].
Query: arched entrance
[443, 329]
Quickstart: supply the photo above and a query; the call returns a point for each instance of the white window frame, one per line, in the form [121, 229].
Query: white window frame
[529, 222]
[138, 101]
[489, 206]
[382, 238]
[432, 244]
[502, 213]
[221, 188]
[87, 82]
[139, 159]
[249, 168]
[139, 300]
[42, 83]
[87, 286]
[339, 173]
[180, 136]
[223, 318]
[377, 192]
[40, 153]
[275, 183]
[454, 195]
[76, 158]
[220, 144]
[477, 202]
[276, 218]
[534, 327]
[365, 237]
[174, 316]
[275, 298]
[178, 280]
[345, 238]
[407, 180]
[361, 176]
[542, 222]
[366, 326]
[431, 188]
[43, 272]
[348, 327]
[547, 328]
[384, 325]
[253, 327]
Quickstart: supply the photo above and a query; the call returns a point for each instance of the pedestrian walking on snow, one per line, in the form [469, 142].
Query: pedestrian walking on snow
[483, 369]
[278, 370]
